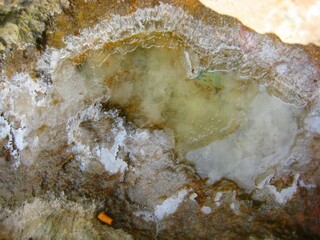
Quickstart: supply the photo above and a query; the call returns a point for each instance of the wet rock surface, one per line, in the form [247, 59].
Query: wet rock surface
[72, 144]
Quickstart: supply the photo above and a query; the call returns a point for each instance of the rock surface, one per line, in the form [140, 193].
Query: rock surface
[72, 144]
[292, 21]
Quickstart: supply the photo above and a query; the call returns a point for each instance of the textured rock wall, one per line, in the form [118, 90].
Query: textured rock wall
[67, 153]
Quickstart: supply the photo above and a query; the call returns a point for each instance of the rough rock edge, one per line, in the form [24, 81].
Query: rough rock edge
[24, 23]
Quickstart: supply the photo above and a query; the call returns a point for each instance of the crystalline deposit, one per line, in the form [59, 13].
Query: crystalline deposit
[169, 205]
[261, 141]
[132, 97]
